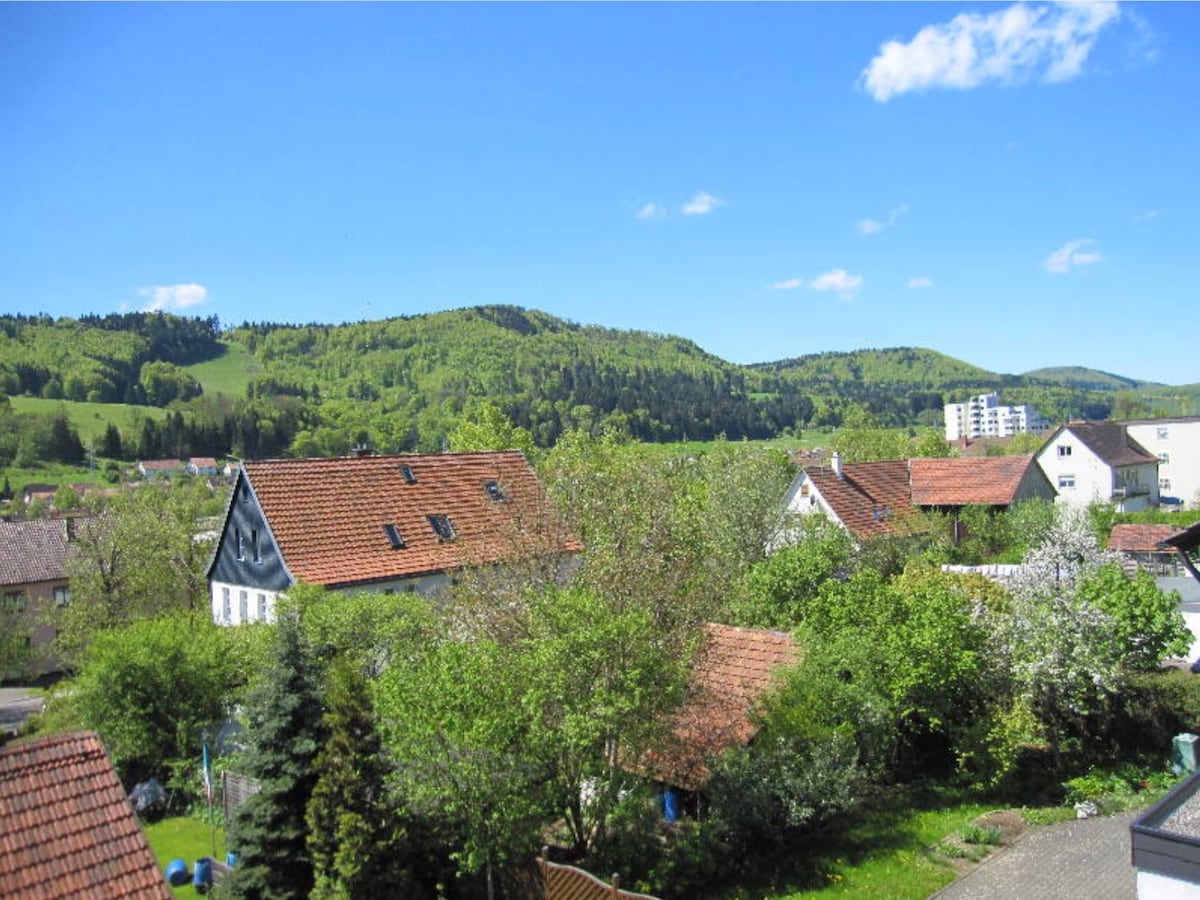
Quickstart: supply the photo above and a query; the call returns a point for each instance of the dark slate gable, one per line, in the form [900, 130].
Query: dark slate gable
[264, 571]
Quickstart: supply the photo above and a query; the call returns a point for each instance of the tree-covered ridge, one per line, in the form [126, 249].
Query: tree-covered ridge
[909, 367]
[1088, 379]
[105, 359]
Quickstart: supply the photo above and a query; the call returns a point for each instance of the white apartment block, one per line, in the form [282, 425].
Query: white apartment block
[1176, 443]
[983, 416]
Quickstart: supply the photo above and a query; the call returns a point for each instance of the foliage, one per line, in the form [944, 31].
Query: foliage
[16, 630]
[1147, 623]
[1004, 536]
[136, 558]
[150, 688]
[269, 831]
[355, 837]
[489, 429]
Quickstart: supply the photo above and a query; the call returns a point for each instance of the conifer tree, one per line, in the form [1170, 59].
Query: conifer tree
[269, 832]
[355, 837]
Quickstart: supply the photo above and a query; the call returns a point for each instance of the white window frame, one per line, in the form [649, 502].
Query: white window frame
[1066, 482]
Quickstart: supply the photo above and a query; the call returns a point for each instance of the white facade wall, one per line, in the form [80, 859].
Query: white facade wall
[234, 604]
[1176, 443]
[1156, 886]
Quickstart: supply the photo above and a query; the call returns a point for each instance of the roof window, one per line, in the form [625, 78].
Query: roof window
[494, 491]
[442, 527]
[410, 476]
[394, 536]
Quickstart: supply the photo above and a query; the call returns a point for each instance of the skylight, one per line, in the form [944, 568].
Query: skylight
[409, 475]
[442, 527]
[394, 536]
[494, 491]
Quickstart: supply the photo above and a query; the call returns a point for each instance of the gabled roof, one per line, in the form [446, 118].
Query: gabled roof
[67, 829]
[983, 480]
[203, 462]
[327, 516]
[871, 498]
[1141, 538]
[1110, 441]
[733, 670]
[33, 550]
[160, 465]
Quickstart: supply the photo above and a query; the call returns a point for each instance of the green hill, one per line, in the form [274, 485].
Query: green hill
[1089, 379]
[912, 368]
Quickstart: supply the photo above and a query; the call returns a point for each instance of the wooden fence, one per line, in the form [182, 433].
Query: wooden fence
[234, 791]
[561, 882]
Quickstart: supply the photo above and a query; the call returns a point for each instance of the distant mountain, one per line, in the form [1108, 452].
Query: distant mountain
[1090, 379]
[909, 368]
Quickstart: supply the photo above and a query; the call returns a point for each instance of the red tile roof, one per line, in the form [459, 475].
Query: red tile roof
[733, 670]
[871, 498]
[160, 465]
[32, 551]
[1141, 538]
[985, 480]
[327, 515]
[67, 829]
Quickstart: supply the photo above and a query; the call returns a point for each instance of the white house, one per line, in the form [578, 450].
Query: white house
[1176, 443]
[1088, 462]
[378, 523]
[983, 416]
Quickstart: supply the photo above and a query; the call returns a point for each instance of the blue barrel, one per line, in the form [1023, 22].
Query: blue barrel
[671, 804]
[230, 859]
[202, 876]
[177, 872]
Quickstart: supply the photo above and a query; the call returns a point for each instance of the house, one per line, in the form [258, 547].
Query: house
[158, 468]
[33, 577]
[874, 499]
[34, 492]
[201, 465]
[379, 523]
[1142, 547]
[983, 416]
[1176, 444]
[733, 671]
[1089, 462]
[231, 468]
[68, 830]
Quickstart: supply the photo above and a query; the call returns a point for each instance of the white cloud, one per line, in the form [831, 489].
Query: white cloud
[651, 211]
[874, 226]
[1007, 46]
[167, 297]
[1147, 214]
[838, 280]
[789, 285]
[1071, 254]
[920, 281]
[701, 205]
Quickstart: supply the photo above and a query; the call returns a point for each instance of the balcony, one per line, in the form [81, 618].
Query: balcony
[1130, 490]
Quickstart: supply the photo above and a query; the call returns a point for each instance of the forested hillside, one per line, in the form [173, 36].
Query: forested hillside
[406, 383]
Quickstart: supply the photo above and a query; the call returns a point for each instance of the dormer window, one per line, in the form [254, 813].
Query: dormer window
[442, 527]
[494, 491]
[410, 477]
[394, 536]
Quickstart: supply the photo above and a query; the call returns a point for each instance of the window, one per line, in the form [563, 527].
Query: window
[254, 545]
[1163, 433]
[226, 606]
[14, 601]
[1064, 449]
[241, 545]
[1164, 459]
[394, 536]
[62, 596]
[409, 475]
[494, 491]
[243, 606]
[262, 607]
[1164, 484]
[442, 527]
[1066, 482]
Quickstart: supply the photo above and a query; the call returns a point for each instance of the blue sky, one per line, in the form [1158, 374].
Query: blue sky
[1013, 185]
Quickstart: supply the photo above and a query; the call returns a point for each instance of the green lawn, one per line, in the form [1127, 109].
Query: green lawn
[228, 374]
[186, 838]
[89, 419]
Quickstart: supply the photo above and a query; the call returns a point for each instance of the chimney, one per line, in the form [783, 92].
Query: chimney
[836, 464]
[359, 450]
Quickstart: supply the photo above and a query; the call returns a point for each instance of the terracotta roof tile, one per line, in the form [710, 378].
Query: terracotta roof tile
[985, 480]
[328, 515]
[871, 498]
[733, 670]
[1141, 538]
[33, 550]
[68, 831]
